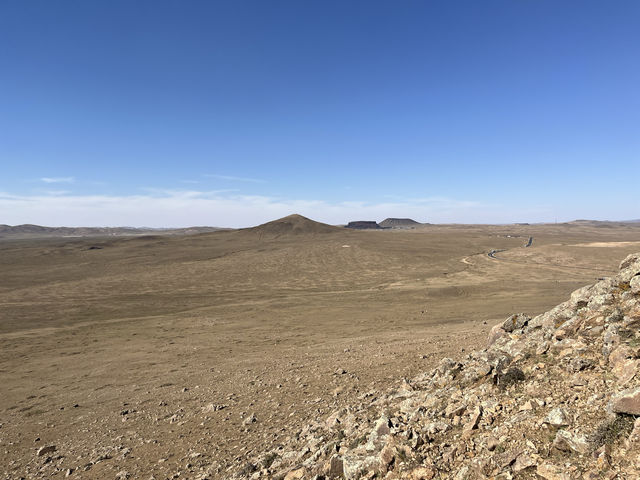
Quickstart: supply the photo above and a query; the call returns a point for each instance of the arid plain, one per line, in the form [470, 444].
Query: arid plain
[182, 356]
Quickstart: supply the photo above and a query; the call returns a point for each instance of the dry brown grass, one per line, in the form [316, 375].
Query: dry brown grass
[257, 321]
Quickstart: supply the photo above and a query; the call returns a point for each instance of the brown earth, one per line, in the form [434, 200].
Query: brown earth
[173, 356]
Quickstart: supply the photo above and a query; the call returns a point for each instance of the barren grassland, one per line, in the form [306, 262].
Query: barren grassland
[165, 357]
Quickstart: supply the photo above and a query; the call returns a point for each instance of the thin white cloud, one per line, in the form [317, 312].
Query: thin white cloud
[231, 178]
[58, 179]
[168, 192]
[169, 208]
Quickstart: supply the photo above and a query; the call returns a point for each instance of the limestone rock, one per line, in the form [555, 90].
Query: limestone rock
[495, 333]
[523, 462]
[558, 417]
[422, 473]
[42, 451]
[552, 472]
[567, 441]
[295, 474]
[627, 401]
[515, 322]
[336, 467]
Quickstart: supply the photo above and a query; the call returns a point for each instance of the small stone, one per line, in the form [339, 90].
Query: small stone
[542, 348]
[552, 472]
[380, 430]
[523, 462]
[579, 364]
[454, 410]
[295, 474]
[627, 401]
[603, 457]
[527, 406]
[336, 467]
[566, 441]
[422, 473]
[558, 417]
[386, 457]
[515, 322]
[475, 419]
[212, 407]
[494, 334]
[250, 419]
[42, 451]
[626, 370]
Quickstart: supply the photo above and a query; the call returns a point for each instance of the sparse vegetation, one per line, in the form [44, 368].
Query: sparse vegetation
[512, 376]
[269, 459]
[623, 286]
[358, 441]
[610, 431]
[259, 323]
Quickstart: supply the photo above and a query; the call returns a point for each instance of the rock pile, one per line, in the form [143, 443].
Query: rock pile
[554, 397]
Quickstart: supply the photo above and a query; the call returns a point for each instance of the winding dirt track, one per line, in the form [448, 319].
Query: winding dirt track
[492, 254]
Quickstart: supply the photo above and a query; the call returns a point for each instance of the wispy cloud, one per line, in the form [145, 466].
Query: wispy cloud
[58, 179]
[168, 192]
[224, 208]
[231, 178]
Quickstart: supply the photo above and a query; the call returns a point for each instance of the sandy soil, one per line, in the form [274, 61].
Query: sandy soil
[170, 357]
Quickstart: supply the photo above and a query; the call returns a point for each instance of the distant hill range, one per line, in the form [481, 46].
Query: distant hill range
[38, 231]
[399, 223]
[604, 223]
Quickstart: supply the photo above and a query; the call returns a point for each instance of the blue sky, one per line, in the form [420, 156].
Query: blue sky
[233, 113]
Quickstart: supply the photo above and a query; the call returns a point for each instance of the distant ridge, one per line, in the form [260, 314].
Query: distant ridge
[38, 231]
[398, 223]
[292, 225]
[603, 223]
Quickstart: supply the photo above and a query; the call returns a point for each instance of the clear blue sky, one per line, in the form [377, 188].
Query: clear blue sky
[232, 113]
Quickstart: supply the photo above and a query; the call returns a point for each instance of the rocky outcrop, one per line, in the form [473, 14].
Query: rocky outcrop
[363, 225]
[556, 396]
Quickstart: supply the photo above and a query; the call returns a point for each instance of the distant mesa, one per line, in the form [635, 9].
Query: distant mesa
[386, 223]
[398, 223]
[292, 225]
[364, 225]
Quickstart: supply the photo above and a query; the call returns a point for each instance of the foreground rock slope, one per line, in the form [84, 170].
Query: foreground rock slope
[554, 397]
